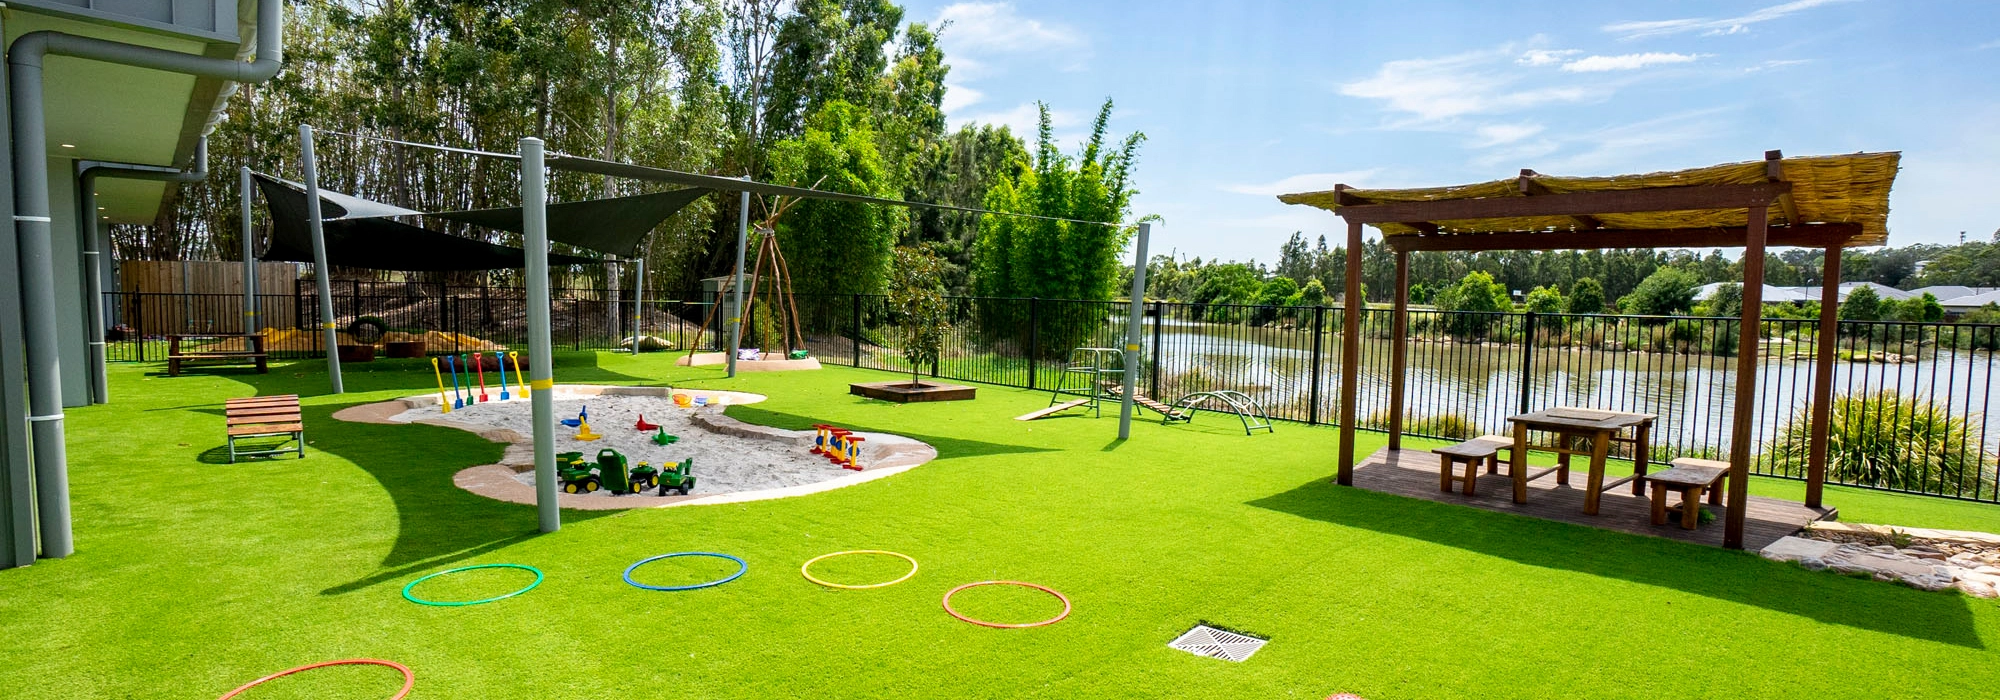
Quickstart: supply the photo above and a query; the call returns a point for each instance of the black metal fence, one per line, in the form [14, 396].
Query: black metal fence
[1911, 411]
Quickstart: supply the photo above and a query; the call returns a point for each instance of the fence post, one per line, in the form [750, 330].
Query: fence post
[855, 336]
[1527, 359]
[1034, 338]
[1319, 337]
[575, 323]
[1159, 317]
[139, 323]
[297, 303]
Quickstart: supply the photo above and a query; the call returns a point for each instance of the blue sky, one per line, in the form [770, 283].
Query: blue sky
[1244, 100]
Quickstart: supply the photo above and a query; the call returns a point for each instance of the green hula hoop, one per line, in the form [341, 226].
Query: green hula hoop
[460, 603]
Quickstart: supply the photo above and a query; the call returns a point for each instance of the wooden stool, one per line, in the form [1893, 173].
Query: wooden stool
[1690, 477]
[1471, 453]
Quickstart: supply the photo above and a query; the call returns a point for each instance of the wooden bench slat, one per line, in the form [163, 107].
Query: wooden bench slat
[1687, 475]
[262, 401]
[267, 429]
[266, 420]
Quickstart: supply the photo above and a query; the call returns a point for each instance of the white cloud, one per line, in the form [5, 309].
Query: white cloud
[1544, 57]
[1636, 146]
[1708, 26]
[1490, 135]
[1437, 89]
[1307, 182]
[1994, 44]
[957, 97]
[1630, 61]
[981, 36]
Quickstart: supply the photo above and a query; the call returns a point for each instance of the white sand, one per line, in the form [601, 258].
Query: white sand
[722, 463]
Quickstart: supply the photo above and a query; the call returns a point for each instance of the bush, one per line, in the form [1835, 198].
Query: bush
[1669, 291]
[1586, 297]
[1885, 440]
[1449, 426]
[1476, 293]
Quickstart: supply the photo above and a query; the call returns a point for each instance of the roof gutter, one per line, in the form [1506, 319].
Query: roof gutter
[31, 226]
[94, 250]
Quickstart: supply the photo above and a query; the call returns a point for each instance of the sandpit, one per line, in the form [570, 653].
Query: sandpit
[733, 461]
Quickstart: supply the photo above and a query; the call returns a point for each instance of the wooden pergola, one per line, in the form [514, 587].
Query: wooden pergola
[1827, 202]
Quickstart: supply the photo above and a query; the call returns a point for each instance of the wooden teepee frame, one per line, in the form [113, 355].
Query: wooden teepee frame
[778, 287]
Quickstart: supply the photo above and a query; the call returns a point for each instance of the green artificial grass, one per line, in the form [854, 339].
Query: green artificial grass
[193, 576]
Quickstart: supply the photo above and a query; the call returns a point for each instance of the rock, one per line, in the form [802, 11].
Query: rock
[1798, 548]
[1976, 589]
[1812, 563]
[1898, 567]
[1929, 583]
[1883, 548]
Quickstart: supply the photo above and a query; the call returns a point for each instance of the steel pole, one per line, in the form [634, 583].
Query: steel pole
[736, 295]
[93, 280]
[1135, 318]
[541, 370]
[249, 256]
[321, 273]
[638, 301]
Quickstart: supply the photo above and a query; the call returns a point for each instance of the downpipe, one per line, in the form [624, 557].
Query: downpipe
[89, 174]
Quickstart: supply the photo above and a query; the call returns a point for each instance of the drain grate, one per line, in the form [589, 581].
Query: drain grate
[1204, 640]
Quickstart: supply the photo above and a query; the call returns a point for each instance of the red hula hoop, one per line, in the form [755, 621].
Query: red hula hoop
[983, 623]
[409, 678]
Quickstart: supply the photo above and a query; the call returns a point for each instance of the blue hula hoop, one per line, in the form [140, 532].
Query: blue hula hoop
[453, 604]
[741, 566]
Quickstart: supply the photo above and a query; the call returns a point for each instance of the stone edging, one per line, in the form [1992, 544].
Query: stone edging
[882, 455]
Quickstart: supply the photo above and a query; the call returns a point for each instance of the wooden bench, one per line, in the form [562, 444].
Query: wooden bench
[1484, 449]
[178, 356]
[1690, 477]
[265, 416]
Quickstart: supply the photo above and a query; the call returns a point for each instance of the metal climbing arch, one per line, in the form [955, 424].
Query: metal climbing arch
[1235, 402]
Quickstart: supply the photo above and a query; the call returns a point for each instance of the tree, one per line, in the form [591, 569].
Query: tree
[1477, 297]
[1728, 301]
[1276, 293]
[1295, 261]
[1668, 291]
[1586, 297]
[1862, 304]
[916, 295]
[837, 247]
[1057, 257]
[1546, 300]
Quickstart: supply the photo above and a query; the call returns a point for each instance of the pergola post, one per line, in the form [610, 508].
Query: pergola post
[1749, 334]
[1822, 406]
[1350, 353]
[1399, 350]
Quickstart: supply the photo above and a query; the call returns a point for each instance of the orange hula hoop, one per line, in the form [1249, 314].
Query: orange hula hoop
[409, 678]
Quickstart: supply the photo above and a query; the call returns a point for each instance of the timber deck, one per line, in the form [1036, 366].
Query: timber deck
[1414, 473]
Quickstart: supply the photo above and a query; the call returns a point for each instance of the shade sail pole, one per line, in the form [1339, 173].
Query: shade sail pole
[1746, 376]
[1822, 406]
[736, 290]
[1135, 318]
[1350, 353]
[321, 274]
[243, 185]
[1399, 353]
[638, 301]
[541, 367]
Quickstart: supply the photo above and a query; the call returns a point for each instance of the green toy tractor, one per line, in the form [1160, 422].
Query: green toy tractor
[678, 477]
[613, 472]
[576, 475]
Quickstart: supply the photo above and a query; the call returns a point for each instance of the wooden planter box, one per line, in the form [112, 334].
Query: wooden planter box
[404, 349]
[901, 391]
[357, 353]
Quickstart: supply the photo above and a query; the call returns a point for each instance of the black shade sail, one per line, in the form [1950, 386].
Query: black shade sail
[367, 239]
[614, 225]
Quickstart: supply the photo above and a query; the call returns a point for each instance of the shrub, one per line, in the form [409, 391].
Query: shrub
[1450, 426]
[1586, 297]
[1886, 440]
[1669, 291]
[1476, 293]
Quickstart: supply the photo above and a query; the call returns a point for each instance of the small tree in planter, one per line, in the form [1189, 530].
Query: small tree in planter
[916, 295]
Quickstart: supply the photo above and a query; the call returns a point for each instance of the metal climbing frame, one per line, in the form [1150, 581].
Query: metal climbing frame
[1092, 373]
[1238, 402]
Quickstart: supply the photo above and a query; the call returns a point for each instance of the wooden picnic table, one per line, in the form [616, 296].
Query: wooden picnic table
[1574, 426]
[180, 354]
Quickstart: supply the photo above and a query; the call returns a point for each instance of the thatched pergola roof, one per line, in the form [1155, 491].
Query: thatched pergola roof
[1845, 196]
